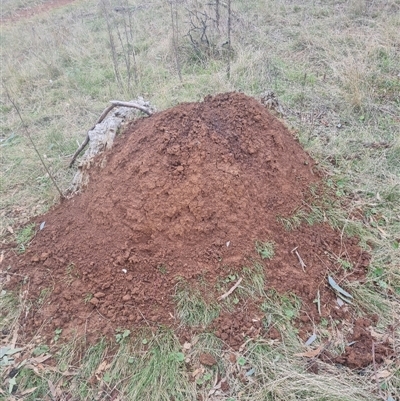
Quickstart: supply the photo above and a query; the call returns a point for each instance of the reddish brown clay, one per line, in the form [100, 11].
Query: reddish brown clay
[184, 194]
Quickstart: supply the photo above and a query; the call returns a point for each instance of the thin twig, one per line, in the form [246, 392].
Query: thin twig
[106, 318]
[375, 372]
[86, 141]
[302, 264]
[133, 105]
[114, 103]
[115, 388]
[31, 141]
[319, 302]
[231, 290]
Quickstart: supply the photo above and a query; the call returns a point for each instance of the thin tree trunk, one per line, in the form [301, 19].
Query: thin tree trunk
[228, 67]
[112, 45]
[217, 16]
[135, 69]
[175, 39]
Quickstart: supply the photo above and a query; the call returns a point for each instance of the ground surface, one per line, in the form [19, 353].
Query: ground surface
[183, 196]
[36, 9]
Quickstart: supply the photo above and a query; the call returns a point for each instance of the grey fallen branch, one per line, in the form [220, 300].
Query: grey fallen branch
[231, 290]
[114, 103]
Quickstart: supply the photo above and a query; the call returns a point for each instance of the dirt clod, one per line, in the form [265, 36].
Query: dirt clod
[207, 359]
[363, 349]
[225, 386]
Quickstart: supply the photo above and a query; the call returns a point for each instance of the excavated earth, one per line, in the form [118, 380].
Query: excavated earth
[183, 197]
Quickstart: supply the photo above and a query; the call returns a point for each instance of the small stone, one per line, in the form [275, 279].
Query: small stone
[99, 295]
[35, 259]
[44, 256]
[126, 298]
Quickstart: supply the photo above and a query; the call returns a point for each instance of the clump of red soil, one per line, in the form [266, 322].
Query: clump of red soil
[247, 323]
[185, 193]
[362, 349]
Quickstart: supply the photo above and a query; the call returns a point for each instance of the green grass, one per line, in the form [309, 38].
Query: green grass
[154, 371]
[266, 250]
[280, 310]
[191, 307]
[24, 236]
[11, 8]
[253, 284]
[161, 369]
[333, 67]
[11, 308]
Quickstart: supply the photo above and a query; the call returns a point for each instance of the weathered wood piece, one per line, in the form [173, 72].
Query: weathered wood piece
[101, 136]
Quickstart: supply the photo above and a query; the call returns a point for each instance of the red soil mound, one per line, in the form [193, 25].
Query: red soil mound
[183, 194]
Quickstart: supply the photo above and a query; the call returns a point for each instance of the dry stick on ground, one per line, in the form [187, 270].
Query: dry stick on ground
[33, 143]
[114, 103]
[375, 371]
[302, 264]
[230, 291]
[319, 302]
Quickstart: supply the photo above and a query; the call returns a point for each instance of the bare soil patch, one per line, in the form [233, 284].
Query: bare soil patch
[24, 13]
[183, 195]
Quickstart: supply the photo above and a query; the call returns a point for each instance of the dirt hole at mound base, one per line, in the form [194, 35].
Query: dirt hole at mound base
[182, 201]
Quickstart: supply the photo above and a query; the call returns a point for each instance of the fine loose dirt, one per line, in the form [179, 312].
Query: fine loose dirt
[184, 194]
